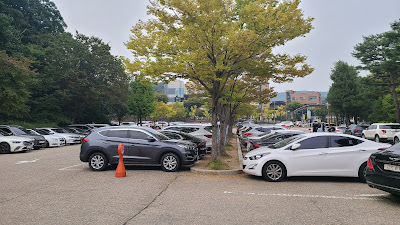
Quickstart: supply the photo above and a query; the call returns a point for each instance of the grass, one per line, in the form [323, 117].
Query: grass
[228, 147]
[225, 155]
[217, 165]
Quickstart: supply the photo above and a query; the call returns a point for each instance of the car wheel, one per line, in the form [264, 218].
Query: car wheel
[362, 172]
[170, 162]
[377, 139]
[396, 140]
[47, 144]
[98, 162]
[274, 171]
[5, 148]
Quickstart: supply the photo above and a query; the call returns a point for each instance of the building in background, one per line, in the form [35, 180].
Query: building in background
[308, 98]
[176, 91]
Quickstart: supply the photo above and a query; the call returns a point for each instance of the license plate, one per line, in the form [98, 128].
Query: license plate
[391, 167]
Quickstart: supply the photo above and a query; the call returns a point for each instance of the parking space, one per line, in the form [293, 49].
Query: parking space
[52, 186]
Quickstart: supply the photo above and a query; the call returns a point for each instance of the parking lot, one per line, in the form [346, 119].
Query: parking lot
[52, 186]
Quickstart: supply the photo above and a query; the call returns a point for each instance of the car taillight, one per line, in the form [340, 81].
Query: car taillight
[251, 139]
[85, 140]
[248, 134]
[356, 129]
[202, 143]
[381, 149]
[256, 145]
[243, 131]
[208, 135]
[369, 164]
[383, 131]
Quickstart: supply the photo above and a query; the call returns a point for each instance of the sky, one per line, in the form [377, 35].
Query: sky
[338, 26]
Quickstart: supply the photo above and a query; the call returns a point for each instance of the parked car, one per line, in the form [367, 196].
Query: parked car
[381, 132]
[128, 124]
[384, 170]
[198, 130]
[52, 140]
[178, 135]
[70, 138]
[10, 143]
[74, 130]
[312, 154]
[258, 130]
[39, 141]
[340, 129]
[97, 125]
[286, 124]
[355, 130]
[85, 127]
[142, 146]
[272, 138]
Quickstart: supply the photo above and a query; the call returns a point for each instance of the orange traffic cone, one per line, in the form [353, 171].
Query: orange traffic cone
[121, 172]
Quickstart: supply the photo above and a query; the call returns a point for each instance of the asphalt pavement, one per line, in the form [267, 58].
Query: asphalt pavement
[52, 186]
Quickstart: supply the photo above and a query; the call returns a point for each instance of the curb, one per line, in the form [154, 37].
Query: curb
[223, 172]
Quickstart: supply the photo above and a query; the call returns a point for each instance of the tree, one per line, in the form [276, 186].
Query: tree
[321, 113]
[206, 114]
[161, 97]
[162, 111]
[291, 106]
[380, 54]
[214, 41]
[193, 111]
[193, 101]
[343, 94]
[15, 75]
[141, 99]
[179, 111]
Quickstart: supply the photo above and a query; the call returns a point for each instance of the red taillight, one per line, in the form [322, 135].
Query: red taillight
[243, 131]
[248, 134]
[369, 164]
[85, 140]
[202, 143]
[256, 145]
[383, 131]
[208, 135]
[356, 129]
[381, 149]
[251, 139]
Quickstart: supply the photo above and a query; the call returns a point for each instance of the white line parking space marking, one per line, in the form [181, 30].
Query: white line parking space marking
[375, 198]
[70, 167]
[23, 162]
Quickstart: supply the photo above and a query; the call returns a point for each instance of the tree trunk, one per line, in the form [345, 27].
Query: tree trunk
[396, 101]
[214, 121]
[223, 115]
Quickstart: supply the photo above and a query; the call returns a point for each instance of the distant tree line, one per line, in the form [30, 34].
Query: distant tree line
[47, 74]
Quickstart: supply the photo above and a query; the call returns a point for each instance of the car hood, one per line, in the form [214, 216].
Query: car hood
[260, 151]
[36, 137]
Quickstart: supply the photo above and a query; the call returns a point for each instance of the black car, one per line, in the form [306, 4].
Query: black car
[177, 135]
[272, 138]
[142, 146]
[384, 170]
[39, 141]
[355, 130]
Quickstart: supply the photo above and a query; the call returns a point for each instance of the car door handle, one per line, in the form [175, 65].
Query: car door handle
[362, 150]
[323, 153]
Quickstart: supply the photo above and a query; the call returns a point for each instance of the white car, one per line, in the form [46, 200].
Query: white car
[52, 140]
[69, 137]
[133, 124]
[258, 130]
[312, 154]
[199, 130]
[286, 124]
[381, 131]
[14, 143]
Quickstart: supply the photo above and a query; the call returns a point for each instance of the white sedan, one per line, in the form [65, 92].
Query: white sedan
[312, 154]
[52, 140]
[69, 137]
[14, 143]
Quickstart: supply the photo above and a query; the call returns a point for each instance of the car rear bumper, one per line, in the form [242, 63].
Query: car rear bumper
[383, 182]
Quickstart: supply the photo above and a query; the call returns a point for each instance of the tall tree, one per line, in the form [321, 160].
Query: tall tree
[343, 94]
[214, 41]
[380, 54]
[141, 99]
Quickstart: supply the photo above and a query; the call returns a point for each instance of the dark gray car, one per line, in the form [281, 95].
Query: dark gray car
[143, 146]
[39, 141]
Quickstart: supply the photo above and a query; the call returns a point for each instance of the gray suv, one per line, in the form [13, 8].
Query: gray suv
[142, 146]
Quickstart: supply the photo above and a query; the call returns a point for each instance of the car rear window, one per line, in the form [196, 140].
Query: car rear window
[389, 126]
[208, 128]
[339, 141]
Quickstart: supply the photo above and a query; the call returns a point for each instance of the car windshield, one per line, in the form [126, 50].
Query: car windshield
[18, 131]
[286, 141]
[59, 130]
[3, 133]
[43, 132]
[29, 131]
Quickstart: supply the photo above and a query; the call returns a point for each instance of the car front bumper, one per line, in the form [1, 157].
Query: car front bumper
[253, 167]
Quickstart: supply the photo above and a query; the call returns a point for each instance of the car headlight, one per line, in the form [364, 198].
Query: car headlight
[16, 142]
[259, 156]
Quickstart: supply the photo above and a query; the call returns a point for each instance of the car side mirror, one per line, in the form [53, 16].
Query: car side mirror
[295, 146]
[151, 139]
